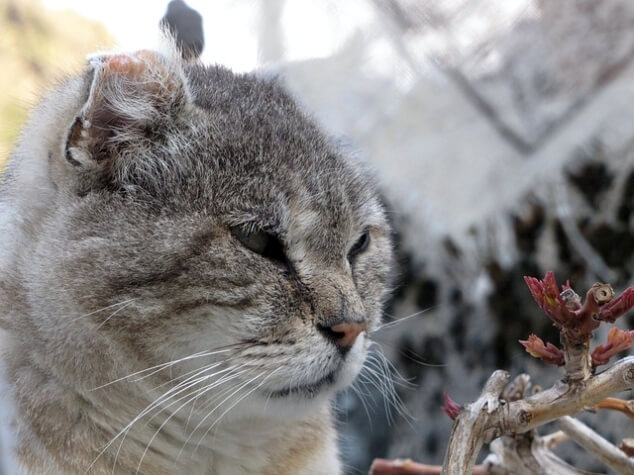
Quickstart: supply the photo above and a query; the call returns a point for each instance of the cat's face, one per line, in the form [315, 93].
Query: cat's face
[203, 213]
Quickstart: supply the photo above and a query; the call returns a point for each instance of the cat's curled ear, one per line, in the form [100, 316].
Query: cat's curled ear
[130, 100]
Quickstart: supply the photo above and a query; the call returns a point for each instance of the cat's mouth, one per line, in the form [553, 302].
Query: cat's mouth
[307, 390]
[336, 378]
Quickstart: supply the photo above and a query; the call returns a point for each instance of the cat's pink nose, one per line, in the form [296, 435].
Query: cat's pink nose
[345, 334]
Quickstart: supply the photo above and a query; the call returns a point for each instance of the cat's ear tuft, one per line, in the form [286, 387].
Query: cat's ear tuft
[129, 98]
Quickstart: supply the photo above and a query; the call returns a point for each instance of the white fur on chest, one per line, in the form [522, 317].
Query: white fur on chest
[248, 456]
[265, 448]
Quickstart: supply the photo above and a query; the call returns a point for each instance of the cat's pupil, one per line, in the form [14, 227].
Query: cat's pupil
[361, 245]
[261, 242]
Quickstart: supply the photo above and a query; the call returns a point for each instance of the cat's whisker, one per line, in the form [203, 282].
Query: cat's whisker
[396, 401]
[402, 319]
[218, 395]
[164, 397]
[191, 396]
[233, 393]
[400, 380]
[378, 373]
[360, 389]
[157, 368]
[175, 362]
[231, 374]
[240, 386]
[361, 395]
[148, 409]
[192, 381]
[202, 390]
[374, 379]
[125, 302]
[115, 313]
[411, 355]
[391, 372]
[233, 389]
[191, 374]
[217, 422]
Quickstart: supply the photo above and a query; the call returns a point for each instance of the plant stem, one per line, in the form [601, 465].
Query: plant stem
[577, 361]
[486, 419]
[602, 449]
[615, 404]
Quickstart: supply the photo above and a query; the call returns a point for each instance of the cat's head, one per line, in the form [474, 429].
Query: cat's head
[200, 212]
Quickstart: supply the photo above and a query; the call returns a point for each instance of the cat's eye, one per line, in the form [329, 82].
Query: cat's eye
[360, 246]
[261, 242]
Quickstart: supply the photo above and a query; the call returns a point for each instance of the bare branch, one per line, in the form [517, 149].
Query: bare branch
[527, 455]
[563, 399]
[402, 467]
[409, 467]
[552, 441]
[627, 446]
[486, 419]
[506, 415]
[615, 404]
[597, 445]
[469, 430]
[577, 361]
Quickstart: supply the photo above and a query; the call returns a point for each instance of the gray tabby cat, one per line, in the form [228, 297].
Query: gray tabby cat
[189, 271]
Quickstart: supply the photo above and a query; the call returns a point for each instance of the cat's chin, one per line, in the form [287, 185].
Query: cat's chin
[321, 389]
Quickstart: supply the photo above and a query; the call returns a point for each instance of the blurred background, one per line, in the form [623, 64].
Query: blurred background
[502, 136]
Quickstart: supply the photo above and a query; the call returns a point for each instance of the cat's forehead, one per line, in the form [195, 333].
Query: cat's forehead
[262, 151]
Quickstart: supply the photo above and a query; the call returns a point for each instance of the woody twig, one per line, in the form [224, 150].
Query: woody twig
[507, 414]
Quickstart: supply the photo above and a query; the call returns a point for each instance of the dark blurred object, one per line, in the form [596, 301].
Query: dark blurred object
[186, 25]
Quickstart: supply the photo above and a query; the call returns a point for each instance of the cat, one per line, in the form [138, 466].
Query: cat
[190, 269]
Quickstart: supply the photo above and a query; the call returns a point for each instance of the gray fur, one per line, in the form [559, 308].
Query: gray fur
[119, 201]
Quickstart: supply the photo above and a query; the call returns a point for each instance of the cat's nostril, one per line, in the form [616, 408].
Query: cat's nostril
[329, 333]
[342, 334]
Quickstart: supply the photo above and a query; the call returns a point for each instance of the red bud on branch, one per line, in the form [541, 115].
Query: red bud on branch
[618, 340]
[546, 294]
[451, 407]
[618, 306]
[549, 353]
[577, 321]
